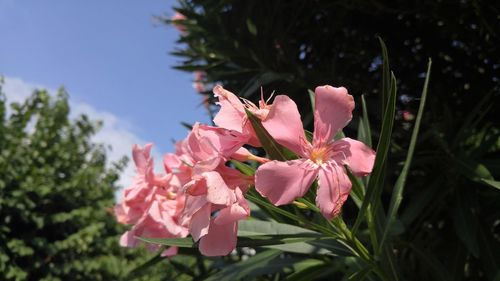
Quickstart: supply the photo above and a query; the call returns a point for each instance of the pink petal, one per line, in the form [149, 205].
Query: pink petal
[191, 206]
[200, 222]
[141, 156]
[282, 182]
[128, 240]
[249, 131]
[217, 190]
[155, 213]
[199, 148]
[196, 187]
[238, 211]
[220, 240]
[333, 110]
[171, 251]
[207, 165]
[232, 111]
[120, 212]
[333, 189]
[234, 178]
[231, 214]
[284, 124]
[355, 154]
[171, 162]
[242, 154]
[226, 142]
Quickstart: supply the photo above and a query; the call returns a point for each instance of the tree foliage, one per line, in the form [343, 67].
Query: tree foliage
[55, 195]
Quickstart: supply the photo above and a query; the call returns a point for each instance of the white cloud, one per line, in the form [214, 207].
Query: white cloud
[114, 131]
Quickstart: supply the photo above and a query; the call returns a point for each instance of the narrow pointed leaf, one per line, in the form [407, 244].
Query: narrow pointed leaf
[261, 264]
[374, 188]
[311, 273]
[312, 97]
[178, 242]
[386, 74]
[257, 227]
[265, 204]
[492, 183]
[366, 123]
[244, 168]
[397, 194]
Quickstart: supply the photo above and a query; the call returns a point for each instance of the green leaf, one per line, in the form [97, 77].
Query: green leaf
[272, 148]
[263, 263]
[178, 242]
[319, 245]
[278, 239]
[312, 97]
[489, 250]
[492, 183]
[386, 74]
[365, 122]
[311, 273]
[360, 275]
[309, 135]
[374, 188]
[255, 198]
[397, 194]
[358, 189]
[256, 227]
[466, 224]
[434, 265]
[244, 168]
[251, 27]
[187, 125]
[141, 269]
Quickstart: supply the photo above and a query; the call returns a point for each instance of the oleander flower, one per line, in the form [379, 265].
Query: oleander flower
[214, 195]
[323, 159]
[177, 20]
[152, 204]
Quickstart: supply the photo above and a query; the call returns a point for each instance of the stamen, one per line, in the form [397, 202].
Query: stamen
[268, 99]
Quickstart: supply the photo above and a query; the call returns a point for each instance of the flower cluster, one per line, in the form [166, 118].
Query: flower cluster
[200, 195]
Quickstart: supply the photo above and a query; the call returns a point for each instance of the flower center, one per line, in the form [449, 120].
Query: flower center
[260, 111]
[319, 155]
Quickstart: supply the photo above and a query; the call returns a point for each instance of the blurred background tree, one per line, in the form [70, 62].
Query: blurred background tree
[55, 197]
[451, 207]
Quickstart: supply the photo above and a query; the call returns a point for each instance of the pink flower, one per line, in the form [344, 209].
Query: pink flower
[214, 219]
[324, 159]
[232, 113]
[160, 220]
[133, 205]
[408, 116]
[214, 189]
[177, 20]
[152, 204]
[198, 83]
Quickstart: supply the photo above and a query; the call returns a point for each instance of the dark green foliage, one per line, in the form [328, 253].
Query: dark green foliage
[55, 197]
[449, 219]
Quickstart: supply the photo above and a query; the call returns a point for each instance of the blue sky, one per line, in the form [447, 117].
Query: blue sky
[110, 55]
